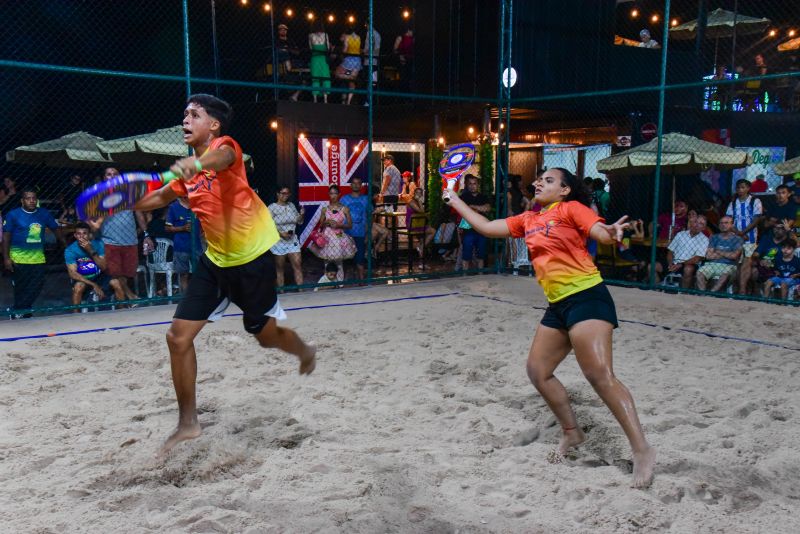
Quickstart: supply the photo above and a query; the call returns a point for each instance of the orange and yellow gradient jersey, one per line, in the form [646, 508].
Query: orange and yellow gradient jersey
[237, 224]
[556, 239]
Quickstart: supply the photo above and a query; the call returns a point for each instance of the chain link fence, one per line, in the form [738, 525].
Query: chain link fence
[344, 110]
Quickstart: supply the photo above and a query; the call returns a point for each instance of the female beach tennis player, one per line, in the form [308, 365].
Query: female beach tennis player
[581, 314]
[237, 266]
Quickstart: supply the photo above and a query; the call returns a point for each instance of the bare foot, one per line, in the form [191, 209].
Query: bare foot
[308, 360]
[643, 465]
[182, 433]
[571, 438]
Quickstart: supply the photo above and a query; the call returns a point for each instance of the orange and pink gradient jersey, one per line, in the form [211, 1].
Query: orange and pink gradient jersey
[556, 239]
[237, 224]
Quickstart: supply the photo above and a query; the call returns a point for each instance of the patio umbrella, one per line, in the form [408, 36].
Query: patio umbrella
[74, 150]
[788, 168]
[623, 41]
[722, 23]
[680, 154]
[157, 149]
[788, 46]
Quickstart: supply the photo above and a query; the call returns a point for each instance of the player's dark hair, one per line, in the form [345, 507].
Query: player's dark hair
[783, 186]
[577, 189]
[215, 107]
[333, 187]
[27, 190]
[80, 225]
[742, 181]
[331, 267]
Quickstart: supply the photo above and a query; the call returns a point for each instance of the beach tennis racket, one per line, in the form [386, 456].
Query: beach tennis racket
[455, 162]
[119, 193]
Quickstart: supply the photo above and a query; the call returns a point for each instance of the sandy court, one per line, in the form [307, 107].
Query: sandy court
[418, 418]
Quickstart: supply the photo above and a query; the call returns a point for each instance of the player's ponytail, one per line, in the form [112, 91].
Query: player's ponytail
[577, 189]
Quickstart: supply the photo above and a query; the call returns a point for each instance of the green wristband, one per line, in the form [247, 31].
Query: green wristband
[198, 165]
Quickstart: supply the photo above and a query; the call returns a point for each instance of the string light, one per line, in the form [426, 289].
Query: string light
[267, 8]
[351, 19]
[441, 140]
[302, 135]
[244, 2]
[331, 18]
[289, 12]
[674, 22]
[773, 33]
[634, 13]
[654, 18]
[792, 33]
[273, 125]
[502, 125]
[310, 16]
[470, 130]
[406, 14]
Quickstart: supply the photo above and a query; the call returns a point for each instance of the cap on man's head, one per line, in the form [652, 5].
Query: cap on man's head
[406, 173]
[644, 33]
[389, 157]
[284, 26]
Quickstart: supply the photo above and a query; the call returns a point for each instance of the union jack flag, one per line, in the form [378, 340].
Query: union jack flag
[322, 162]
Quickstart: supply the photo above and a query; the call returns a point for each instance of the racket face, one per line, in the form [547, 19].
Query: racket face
[456, 160]
[119, 193]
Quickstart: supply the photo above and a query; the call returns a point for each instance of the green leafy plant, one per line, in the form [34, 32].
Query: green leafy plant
[434, 204]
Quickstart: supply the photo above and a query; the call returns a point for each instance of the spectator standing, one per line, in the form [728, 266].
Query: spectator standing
[746, 211]
[287, 51]
[723, 255]
[787, 271]
[356, 203]
[11, 197]
[120, 237]
[338, 246]
[85, 261]
[376, 52]
[350, 66]
[404, 50]
[23, 249]
[186, 244]
[286, 218]
[74, 190]
[471, 239]
[759, 185]
[600, 197]
[685, 252]
[320, 71]
[392, 181]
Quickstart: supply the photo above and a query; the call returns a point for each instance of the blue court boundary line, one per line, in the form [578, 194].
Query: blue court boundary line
[419, 297]
[652, 325]
[159, 323]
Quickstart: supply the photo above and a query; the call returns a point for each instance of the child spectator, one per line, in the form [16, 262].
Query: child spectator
[787, 271]
[331, 275]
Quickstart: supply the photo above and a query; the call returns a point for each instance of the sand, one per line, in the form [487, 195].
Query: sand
[418, 418]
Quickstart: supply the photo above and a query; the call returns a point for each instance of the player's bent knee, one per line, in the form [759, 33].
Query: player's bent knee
[600, 379]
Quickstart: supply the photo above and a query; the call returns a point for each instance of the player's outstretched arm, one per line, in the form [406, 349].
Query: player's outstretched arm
[218, 159]
[156, 199]
[609, 233]
[482, 225]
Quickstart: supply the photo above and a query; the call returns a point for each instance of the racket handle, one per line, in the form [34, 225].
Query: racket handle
[168, 176]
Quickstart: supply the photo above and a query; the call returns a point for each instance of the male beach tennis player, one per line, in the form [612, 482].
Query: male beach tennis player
[237, 266]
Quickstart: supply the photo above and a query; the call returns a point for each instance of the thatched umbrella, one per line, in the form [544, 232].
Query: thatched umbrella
[788, 168]
[74, 150]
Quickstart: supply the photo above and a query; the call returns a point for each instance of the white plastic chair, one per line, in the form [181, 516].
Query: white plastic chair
[157, 263]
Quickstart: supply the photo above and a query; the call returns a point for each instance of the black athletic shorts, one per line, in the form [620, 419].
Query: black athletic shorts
[250, 286]
[592, 303]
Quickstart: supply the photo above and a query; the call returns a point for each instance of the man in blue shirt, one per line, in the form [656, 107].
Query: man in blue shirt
[722, 256]
[85, 260]
[23, 249]
[357, 204]
[179, 225]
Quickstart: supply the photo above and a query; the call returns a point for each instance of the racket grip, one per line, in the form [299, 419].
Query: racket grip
[168, 176]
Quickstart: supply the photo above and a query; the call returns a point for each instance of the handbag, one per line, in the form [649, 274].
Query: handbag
[318, 238]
